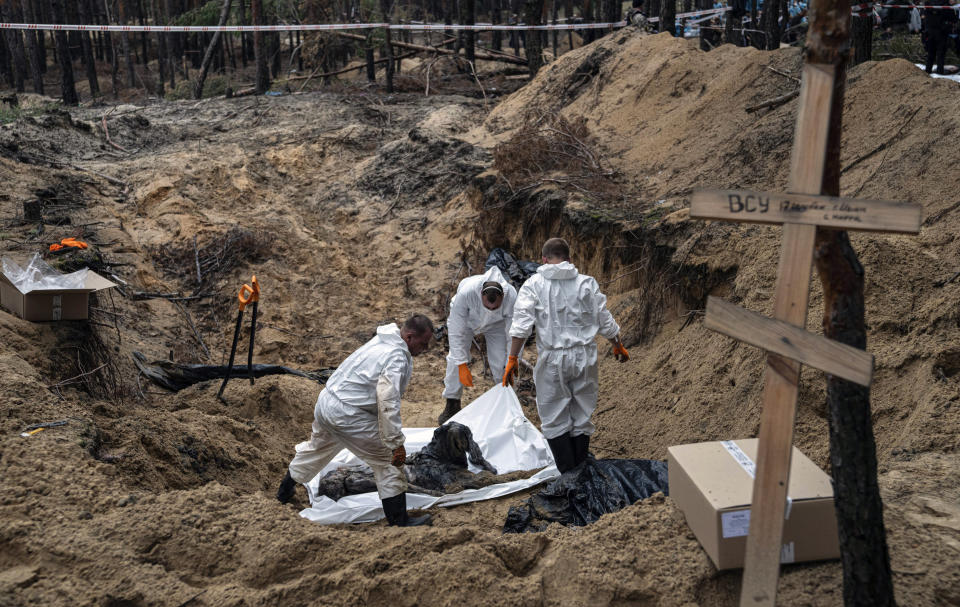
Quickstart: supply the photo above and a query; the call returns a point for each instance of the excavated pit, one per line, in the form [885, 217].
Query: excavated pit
[150, 498]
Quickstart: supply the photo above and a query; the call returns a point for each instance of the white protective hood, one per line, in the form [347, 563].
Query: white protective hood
[506, 437]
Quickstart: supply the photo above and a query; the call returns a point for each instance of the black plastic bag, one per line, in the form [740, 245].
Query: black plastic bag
[516, 271]
[584, 494]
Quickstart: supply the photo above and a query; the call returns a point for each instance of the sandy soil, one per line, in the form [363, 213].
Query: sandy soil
[371, 208]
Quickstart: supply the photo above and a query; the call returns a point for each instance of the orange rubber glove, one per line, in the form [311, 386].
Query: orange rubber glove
[466, 378]
[511, 371]
[620, 352]
[399, 456]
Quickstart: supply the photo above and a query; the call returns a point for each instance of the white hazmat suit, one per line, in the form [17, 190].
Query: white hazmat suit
[359, 409]
[568, 311]
[468, 317]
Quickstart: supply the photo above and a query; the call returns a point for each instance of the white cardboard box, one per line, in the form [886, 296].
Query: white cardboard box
[712, 484]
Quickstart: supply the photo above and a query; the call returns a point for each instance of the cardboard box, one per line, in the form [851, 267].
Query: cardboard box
[51, 304]
[712, 483]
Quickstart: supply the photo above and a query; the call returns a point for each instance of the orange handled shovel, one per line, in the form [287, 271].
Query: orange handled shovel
[255, 298]
[246, 295]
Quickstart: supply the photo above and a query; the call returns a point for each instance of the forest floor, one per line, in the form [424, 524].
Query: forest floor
[360, 208]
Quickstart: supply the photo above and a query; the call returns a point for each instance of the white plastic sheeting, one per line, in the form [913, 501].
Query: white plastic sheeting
[955, 77]
[506, 437]
[39, 276]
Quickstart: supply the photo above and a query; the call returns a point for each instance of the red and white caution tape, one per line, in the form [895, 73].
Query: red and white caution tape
[332, 26]
[709, 11]
[867, 5]
[300, 27]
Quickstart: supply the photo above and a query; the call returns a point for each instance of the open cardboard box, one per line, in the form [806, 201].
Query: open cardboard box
[711, 484]
[41, 305]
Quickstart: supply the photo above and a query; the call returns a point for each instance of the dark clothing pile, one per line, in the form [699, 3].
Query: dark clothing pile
[440, 467]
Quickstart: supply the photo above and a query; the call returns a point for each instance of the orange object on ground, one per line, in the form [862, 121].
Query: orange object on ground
[69, 242]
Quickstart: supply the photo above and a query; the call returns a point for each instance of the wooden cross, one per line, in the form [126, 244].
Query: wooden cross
[787, 342]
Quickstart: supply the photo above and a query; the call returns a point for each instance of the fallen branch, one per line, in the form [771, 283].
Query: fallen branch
[196, 258]
[71, 380]
[442, 51]
[475, 77]
[784, 74]
[353, 68]
[941, 283]
[77, 167]
[141, 295]
[932, 219]
[193, 327]
[882, 146]
[106, 132]
[776, 101]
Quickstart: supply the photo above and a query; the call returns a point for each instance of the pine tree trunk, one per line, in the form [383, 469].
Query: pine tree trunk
[532, 9]
[612, 12]
[262, 80]
[208, 55]
[89, 60]
[44, 14]
[862, 38]
[15, 45]
[863, 546]
[170, 44]
[586, 11]
[513, 19]
[729, 36]
[145, 50]
[469, 36]
[385, 11]
[244, 37]
[161, 49]
[771, 25]
[34, 54]
[5, 70]
[496, 19]
[668, 16]
[368, 55]
[300, 53]
[459, 33]
[67, 85]
[125, 45]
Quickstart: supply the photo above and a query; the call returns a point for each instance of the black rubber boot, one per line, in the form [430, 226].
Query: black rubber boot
[581, 448]
[395, 509]
[453, 407]
[287, 488]
[562, 449]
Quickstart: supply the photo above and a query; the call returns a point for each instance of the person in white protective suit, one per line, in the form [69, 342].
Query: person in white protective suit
[483, 305]
[359, 410]
[568, 310]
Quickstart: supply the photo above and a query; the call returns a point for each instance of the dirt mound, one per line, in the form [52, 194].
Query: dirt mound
[151, 498]
[671, 118]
